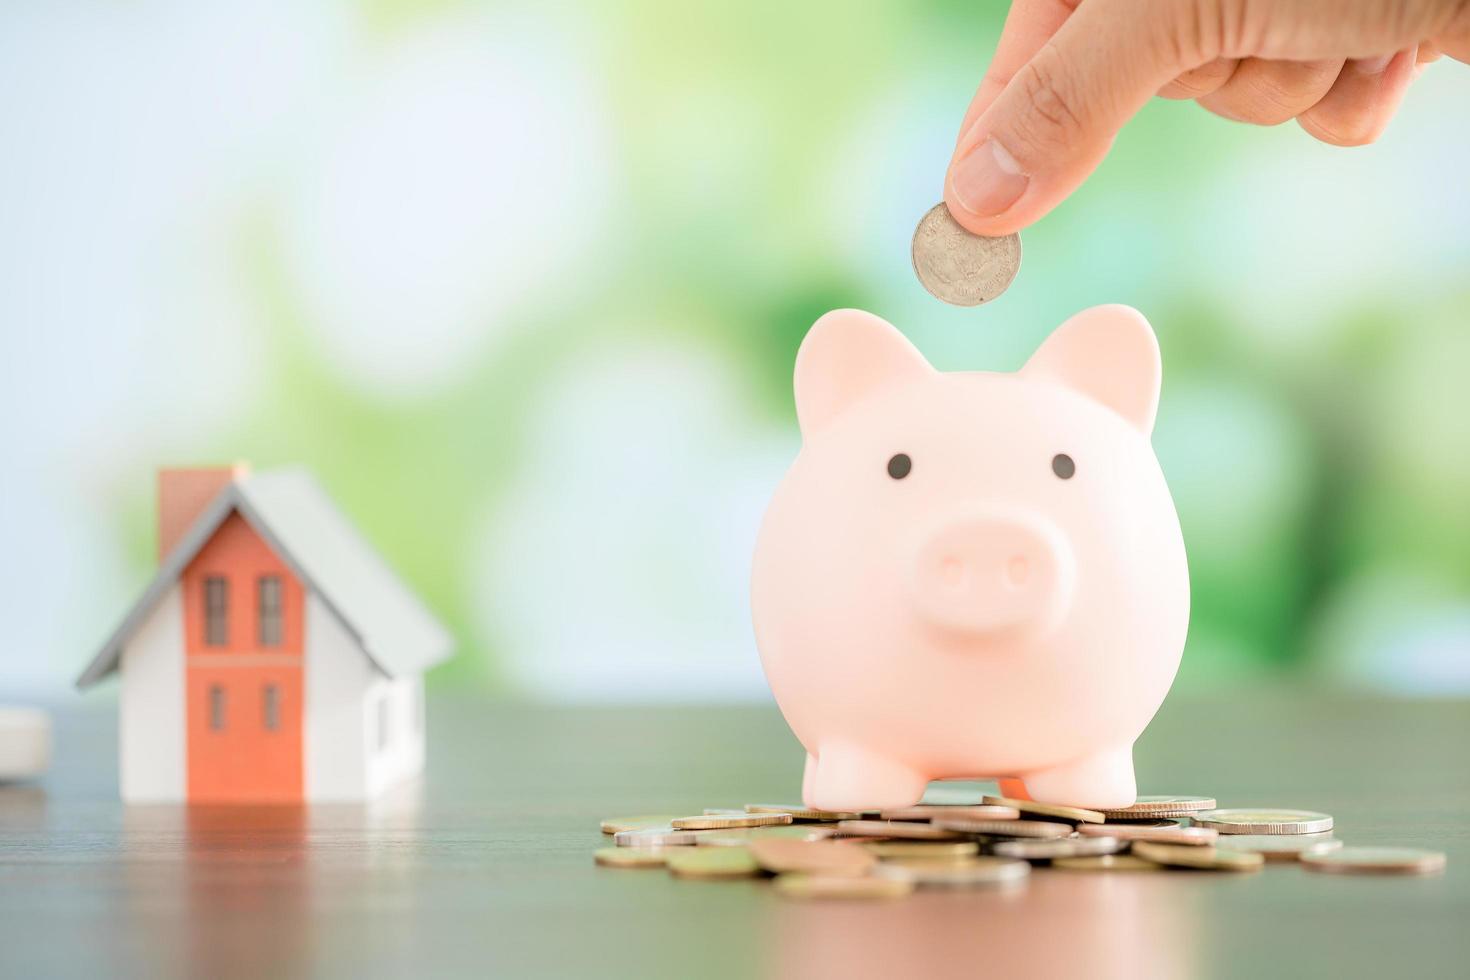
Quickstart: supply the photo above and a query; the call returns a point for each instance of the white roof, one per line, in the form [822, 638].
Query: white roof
[295, 517]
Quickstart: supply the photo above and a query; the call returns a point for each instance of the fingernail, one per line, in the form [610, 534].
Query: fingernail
[1372, 66]
[987, 180]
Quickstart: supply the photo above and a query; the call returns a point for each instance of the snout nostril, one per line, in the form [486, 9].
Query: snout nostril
[1017, 570]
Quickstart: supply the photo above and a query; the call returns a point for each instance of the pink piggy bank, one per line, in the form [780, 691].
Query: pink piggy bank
[972, 574]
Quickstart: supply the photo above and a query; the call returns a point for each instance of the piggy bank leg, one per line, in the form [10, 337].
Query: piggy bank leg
[1013, 789]
[846, 777]
[808, 776]
[1102, 780]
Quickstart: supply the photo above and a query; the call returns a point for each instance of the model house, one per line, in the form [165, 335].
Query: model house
[274, 658]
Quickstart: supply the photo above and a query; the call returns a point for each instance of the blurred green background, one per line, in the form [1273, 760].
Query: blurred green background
[523, 284]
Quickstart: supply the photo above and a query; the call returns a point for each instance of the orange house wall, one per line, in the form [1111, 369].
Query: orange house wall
[244, 761]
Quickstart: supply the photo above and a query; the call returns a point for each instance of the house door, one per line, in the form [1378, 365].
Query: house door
[245, 732]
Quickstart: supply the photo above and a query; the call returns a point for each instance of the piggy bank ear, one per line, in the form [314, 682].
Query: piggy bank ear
[846, 356]
[1109, 354]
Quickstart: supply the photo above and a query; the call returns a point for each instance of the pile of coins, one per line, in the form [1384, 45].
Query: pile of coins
[889, 853]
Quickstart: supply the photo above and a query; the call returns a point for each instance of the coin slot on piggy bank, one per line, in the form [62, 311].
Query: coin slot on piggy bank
[972, 574]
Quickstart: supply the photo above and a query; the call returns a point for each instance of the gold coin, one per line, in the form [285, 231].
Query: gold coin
[1058, 847]
[1204, 858]
[928, 811]
[937, 850]
[632, 857]
[1279, 847]
[799, 812]
[893, 828]
[1376, 860]
[1258, 821]
[740, 836]
[1147, 807]
[613, 825]
[1006, 828]
[1169, 833]
[826, 857]
[1074, 813]
[954, 874]
[820, 886]
[1106, 862]
[1131, 824]
[712, 862]
[724, 821]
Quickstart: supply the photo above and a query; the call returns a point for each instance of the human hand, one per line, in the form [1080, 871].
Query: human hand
[1067, 74]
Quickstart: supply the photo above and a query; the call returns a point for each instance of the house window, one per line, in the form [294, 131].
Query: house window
[216, 609]
[268, 610]
[216, 707]
[383, 723]
[272, 706]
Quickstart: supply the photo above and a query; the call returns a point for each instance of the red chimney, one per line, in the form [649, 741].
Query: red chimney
[182, 496]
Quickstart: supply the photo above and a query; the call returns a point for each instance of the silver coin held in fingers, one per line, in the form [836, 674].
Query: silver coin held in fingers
[959, 267]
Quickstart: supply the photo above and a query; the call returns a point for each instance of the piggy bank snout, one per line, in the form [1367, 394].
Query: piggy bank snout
[989, 572]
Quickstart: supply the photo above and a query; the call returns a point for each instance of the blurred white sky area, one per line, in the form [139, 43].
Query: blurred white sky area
[419, 185]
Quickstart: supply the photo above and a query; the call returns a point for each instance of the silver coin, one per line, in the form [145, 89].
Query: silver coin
[1004, 828]
[1254, 820]
[1375, 860]
[954, 874]
[1151, 807]
[960, 267]
[1280, 847]
[900, 829]
[657, 837]
[1067, 847]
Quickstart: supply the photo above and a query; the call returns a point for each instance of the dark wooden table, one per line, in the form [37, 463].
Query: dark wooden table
[487, 869]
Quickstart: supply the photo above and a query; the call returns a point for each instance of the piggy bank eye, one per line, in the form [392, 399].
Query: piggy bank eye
[1062, 466]
[899, 466]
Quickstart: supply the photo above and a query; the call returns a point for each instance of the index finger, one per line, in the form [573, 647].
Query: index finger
[1029, 25]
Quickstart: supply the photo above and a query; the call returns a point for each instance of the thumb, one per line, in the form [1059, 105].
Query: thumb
[1055, 120]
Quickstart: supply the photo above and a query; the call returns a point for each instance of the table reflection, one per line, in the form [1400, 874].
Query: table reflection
[1101, 925]
[249, 879]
